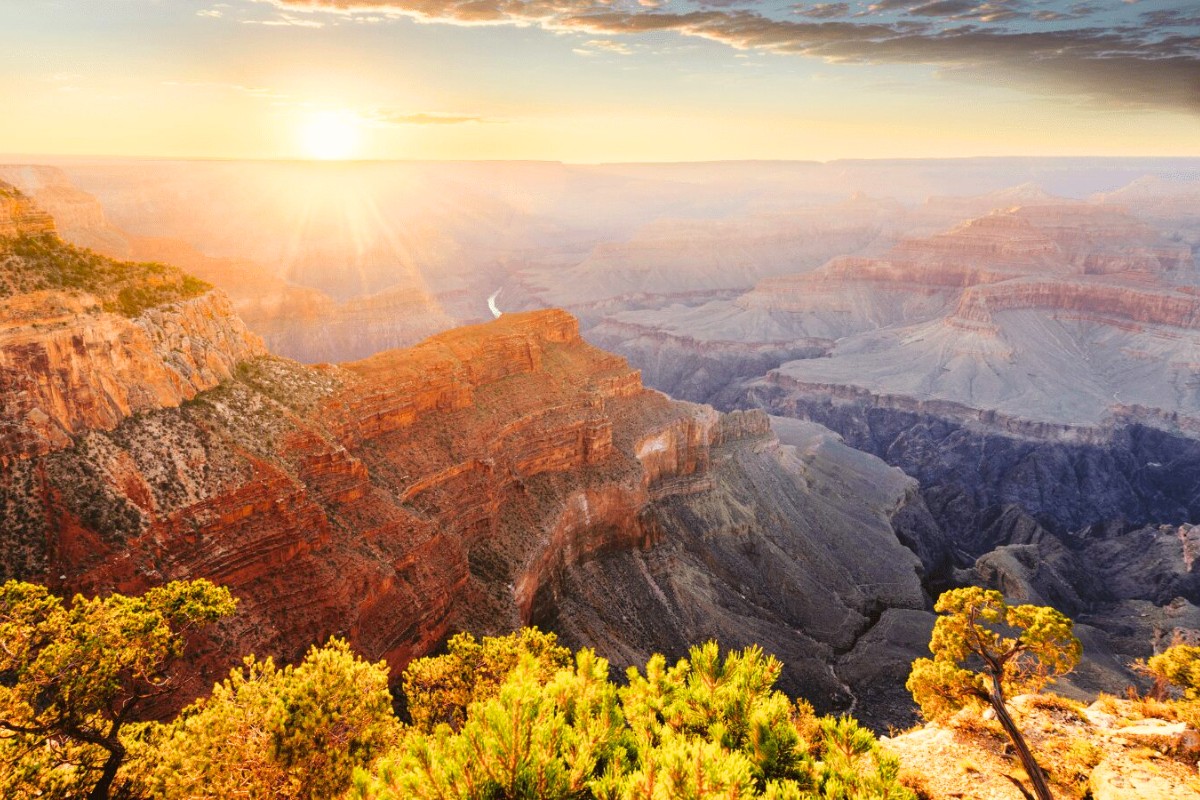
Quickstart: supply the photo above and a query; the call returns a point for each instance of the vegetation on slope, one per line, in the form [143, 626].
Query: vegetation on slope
[36, 262]
[73, 678]
[509, 718]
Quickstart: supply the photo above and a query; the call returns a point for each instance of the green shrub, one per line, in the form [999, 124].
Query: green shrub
[40, 262]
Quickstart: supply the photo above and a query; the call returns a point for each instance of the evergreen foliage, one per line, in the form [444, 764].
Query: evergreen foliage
[711, 726]
[439, 689]
[517, 717]
[985, 650]
[73, 676]
[1178, 665]
[43, 261]
[296, 732]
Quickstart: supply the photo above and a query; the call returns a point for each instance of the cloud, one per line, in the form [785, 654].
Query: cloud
[221, 86]
[1151, 65]
[596, 46]
[286, 21]
[425, 118]
[822, 10]
[945, 8]
[1172, 18]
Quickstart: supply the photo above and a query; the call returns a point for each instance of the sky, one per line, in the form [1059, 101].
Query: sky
[599, 80]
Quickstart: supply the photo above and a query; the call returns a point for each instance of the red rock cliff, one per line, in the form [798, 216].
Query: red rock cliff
[389, 500]
[67, 367]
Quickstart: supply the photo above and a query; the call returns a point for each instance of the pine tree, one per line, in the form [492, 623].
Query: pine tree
[439, 689]
[265, 732]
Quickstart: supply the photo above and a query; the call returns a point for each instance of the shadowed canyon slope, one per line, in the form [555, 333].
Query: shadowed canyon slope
[492, 476]
[1034, 368]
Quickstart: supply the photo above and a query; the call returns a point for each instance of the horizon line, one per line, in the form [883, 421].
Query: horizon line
[29, 159]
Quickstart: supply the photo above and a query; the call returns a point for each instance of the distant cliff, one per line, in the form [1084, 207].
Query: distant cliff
[19, 217]
[85, 342]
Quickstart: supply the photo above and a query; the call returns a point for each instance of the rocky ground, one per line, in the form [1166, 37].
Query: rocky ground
[1109, 750]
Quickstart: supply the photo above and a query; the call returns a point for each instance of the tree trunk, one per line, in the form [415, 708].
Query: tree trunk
[1041, 786]
[116, 754]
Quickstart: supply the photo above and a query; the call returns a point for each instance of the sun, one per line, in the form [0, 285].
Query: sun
[330, 135]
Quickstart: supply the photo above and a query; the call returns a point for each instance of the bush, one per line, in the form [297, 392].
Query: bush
[296, 732]
[712, 725]
[39, 262]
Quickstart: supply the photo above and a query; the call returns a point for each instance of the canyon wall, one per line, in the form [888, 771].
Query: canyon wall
[490, 477]
[19, 216]
[67, 367]
[1034, 369]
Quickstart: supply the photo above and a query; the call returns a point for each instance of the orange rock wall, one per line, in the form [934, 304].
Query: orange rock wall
[20, 217]
[350, 500]
[66, 367]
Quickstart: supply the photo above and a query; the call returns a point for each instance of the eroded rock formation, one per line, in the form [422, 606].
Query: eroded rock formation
[490, 477]
[19, 216]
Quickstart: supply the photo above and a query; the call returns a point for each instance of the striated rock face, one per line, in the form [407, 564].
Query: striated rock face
[66, 367]
[1034, 369]
[1105, 302]
[78, 216]
[1071, 317]
[925, 274]
[18, 216]
[971, 464]
[490, 477]
[86, 342]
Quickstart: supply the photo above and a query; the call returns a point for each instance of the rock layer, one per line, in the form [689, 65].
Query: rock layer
[490, 477]
[19, 216]
[66, 367]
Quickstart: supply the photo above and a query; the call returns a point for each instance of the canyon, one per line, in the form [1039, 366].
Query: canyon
[990, 388]
[1033, 369]
[332, 262]
[301, 321]
[489, 477]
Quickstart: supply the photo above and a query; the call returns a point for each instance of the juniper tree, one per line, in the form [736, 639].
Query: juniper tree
[1178, 665]
[985, 650]
[72, 676]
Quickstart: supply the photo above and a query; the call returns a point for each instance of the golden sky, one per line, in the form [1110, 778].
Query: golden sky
[599, 80]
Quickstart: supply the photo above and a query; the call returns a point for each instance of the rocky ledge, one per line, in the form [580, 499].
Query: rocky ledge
[68, 367]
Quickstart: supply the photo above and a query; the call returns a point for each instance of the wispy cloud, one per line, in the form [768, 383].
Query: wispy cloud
[594, 47]
[286, 21]
[1151, 65]
[425, 118]
[215, 11]
[822, 10]
[237, 88]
